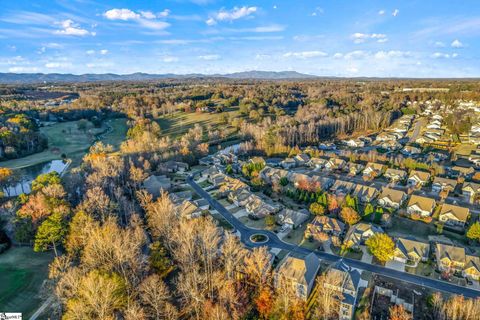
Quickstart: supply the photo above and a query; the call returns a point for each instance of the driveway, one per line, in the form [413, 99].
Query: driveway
[366, 257]
[395, 265]
[240, 213]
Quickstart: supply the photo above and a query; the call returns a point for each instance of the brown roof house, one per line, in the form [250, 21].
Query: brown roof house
[443, 184]
[374, 170]
[451, 259]
[454, 216]
[470, 191]
[359, 233]
[323, 225]
[355, 168]
[341, 187]
[422, 206]
[335, 164]
[156, 184]
[411, 251]
[292, 218]
[391, 198]
[418, 178]
[395, 175]
[365, 193]
[298, 272]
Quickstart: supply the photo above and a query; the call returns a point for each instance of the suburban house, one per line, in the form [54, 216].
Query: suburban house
[301, 159]
[365, 193]
[348, 284]
[391, 198]
[174, 166]
[335, 164]
[359, 233]
[217, 179]
[454, 216]
[292, 218]
[471, 191]
[373, 170]
[230, 185]
[298, 272]
[422, 206]
[395, 175]
[341, 187]
[443, 184]
[418, 178]
[323, 183]
[317, 163]
[410, 151]
[188, 209]
[257, 208]
[322, 225]
[452, 259]
[288, 163]
[156, 184]
[355, 168]
[272, 175]
[210, 172]
[411, 251]
[465, 172]
[240, 197]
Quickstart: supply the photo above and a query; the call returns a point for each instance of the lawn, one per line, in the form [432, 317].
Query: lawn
[22, 273]
[65, 138]
[180, 122]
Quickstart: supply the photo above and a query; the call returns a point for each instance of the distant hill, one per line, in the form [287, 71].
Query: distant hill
[91, 77]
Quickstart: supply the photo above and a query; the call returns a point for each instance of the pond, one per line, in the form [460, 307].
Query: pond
[28, 174]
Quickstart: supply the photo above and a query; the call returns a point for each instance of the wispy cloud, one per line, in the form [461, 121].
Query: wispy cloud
[395, 12]
[231, 15]
[210, 57]
[441, 55]
[146, 19]
[305, 54]
[456, 44]
[363, 37]
[70, 28]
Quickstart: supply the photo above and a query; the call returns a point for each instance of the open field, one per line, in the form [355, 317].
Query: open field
[22, 273]
[65, 138]
[179, 123]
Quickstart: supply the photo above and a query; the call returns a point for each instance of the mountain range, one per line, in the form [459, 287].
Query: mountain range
[91, 77]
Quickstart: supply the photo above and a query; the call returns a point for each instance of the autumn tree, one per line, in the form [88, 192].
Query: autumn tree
[381, 246]
[473, 232]
[328, 299]
[155, 296]
[398, 312]
[317, 209]
[349, 216]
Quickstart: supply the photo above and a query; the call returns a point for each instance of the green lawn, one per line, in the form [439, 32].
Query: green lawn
[22, 273]
[180, 122]
[65, 138]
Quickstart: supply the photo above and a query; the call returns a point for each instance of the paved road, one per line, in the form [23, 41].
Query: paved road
[275, 242]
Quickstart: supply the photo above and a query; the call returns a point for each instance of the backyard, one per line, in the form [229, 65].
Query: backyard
[22, 273]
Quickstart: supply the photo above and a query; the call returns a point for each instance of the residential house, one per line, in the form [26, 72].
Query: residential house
[418, 178]
[324, 225]
[354, 143]
[174, 166]
[210, 171]
[323, 183]
[301, 159]
[240, 197]
[317, 163]
[355, 168]
[410, 151]
[272, 175]
[341, 187]
[470, 191]
[395, 175]
[421, 206]
[257, 208]
[348, 286]
[365, 193]
[465, 172]
[230, 185]
[472, 267]
[217, 179]
[292, 218]
[155, 185]
[411, 251]
[288, 163]
[335, 164]
[202, 204]
[443, 184]
[391, 198]
[454, 216]
[299, 272]
[450, 259]
[359, 233]
[374, 170]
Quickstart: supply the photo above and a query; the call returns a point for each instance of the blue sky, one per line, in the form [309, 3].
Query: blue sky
[423, 38]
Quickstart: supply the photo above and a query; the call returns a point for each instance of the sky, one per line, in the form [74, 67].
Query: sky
[347, 38]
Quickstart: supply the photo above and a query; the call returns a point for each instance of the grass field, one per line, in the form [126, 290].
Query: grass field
[65, 138]
[22, 273]
[179, 123]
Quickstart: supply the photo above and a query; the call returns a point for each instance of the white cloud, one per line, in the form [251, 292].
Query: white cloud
[439, 44]
[357, 54]
[146, 19]
[121, 14]
[71, 28]
[305, 54]
[262, 56]
[56, 65]
[362, 37]
[103, 51]
[395, 12]
[392, 54]
[381, 12]
[22, 69]
[338, 55]
[231, 15]
[169, 59]
[317, 11]
[456, 44]
[441, 55]
[210, 57]
[352, 69]
[90, 52]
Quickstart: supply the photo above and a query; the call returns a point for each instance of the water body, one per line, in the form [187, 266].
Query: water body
[28, 174]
